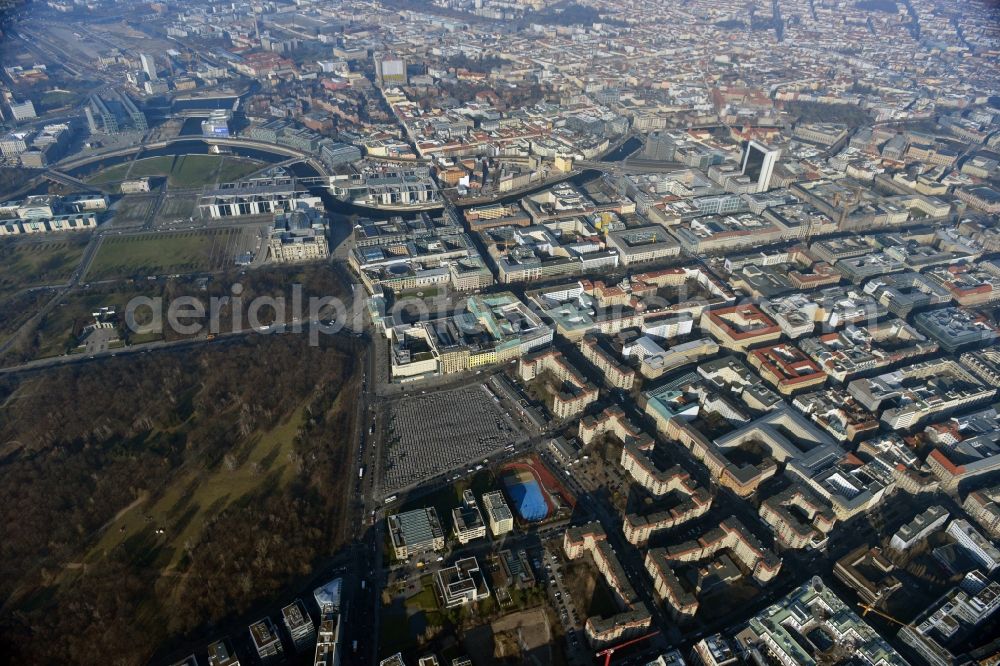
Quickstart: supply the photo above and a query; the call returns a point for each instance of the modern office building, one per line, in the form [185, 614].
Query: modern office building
[257, 197]
[716, 650]
[217, 124]
[493, 328]
[920, 391]
[782, 630]
[15, 143]
[388, 186]
[938, 633]
[266, 641]
[22, 111]
[428, 252]
[644, 244]
[922, 526]
[498, 514]
[221, 653]
[462, 583]
[334, 153]
[869, 573]
[148, 65]
[390, 71]
[956, 328]
[965, 447]
[46, 213]
[299, 624]
[758, 164]
[467, 519]
[113, 112]
[975, 544]
[328, 637]
[414, 532]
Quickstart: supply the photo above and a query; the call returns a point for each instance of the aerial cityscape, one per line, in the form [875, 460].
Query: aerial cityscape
[500, 332]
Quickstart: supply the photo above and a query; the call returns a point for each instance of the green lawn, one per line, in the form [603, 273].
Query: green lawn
[152, 166]
[234, 168]
[108, 175]
[162, 253]
[194, 170]
[143, 338]
[177, 206]
[180, 171]
[425, 599]
[31, 263]
[132, 209]
[146, 167]
[54, 99]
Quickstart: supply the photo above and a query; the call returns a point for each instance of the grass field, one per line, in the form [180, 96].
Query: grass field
[182, 171]
[132, 210]
[194, 170]
[54, 99]
[164, 253]
[234, 168]
[27, 264]
[153, 166]
[108, 175]
[150, 166]
[176, 207]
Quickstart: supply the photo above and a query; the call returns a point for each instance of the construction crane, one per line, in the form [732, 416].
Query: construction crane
[607, 652]
[868, 608]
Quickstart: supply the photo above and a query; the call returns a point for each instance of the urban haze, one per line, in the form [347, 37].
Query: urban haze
[500, 332]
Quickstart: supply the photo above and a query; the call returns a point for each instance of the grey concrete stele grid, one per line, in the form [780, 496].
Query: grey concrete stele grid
[431, 434]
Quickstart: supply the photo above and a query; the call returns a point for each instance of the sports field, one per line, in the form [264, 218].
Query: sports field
[168, 253]
[526, 493]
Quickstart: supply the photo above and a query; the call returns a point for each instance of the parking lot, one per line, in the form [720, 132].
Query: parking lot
[563, 603]
[432, 434]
